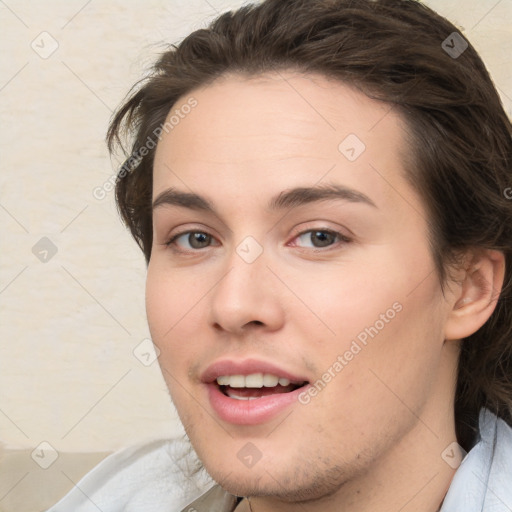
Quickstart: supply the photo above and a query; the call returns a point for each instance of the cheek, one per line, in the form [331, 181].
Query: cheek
[339, 302]
[160, 305]
[172, 311]
[171, 316]
[381, 338]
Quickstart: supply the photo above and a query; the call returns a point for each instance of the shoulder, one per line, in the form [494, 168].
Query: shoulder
[483, 482]
[146, 478]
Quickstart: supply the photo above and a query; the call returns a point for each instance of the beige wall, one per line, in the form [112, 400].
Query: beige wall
[69, 326]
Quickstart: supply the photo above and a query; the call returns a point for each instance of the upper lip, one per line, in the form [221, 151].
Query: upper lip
[247, 367]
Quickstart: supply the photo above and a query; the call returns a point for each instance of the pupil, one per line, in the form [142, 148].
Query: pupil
[199, 240]
[323, 238]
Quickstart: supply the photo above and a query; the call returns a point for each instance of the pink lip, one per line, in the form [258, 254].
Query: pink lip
[248, 412]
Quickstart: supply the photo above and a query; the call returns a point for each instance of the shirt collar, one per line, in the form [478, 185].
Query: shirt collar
[482, 481]
[216, 499]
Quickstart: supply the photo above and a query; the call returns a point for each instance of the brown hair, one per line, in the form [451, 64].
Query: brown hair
[396, 51]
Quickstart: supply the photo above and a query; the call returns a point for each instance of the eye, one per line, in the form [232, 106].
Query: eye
[191, 240]
[318, 238]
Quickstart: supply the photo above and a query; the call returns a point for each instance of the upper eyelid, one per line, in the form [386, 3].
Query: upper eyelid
[344, 233]
[296, 234]
[342, 237]
[192, 229]
[174, 237]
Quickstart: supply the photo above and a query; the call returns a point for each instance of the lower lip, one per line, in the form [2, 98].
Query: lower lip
[250, 412]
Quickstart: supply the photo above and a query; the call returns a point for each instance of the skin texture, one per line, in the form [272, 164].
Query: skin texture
[373, 438]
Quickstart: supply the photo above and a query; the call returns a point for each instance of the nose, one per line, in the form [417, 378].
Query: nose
[246, 298]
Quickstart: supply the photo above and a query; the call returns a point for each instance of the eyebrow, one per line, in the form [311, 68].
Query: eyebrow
[291, 198]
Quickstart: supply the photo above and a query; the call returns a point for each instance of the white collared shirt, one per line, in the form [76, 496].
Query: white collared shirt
[483, 482]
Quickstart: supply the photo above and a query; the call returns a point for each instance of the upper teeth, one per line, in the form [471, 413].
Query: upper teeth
[255, 380]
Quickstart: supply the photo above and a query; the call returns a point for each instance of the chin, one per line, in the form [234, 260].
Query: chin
[288, 481]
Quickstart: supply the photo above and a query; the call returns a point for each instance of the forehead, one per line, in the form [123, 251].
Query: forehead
[279, 127]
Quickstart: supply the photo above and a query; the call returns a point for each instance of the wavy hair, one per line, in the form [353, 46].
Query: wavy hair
[396, 51]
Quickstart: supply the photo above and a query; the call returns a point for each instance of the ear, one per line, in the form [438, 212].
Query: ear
[477, 295]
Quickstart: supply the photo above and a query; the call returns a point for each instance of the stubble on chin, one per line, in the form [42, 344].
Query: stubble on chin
[300, 482]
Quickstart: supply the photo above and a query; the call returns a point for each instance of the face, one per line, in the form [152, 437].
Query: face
[291, 288]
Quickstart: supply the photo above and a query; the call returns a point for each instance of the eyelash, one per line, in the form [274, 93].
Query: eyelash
[339, 237]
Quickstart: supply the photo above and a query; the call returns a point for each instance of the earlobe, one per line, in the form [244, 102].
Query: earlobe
[478, 294]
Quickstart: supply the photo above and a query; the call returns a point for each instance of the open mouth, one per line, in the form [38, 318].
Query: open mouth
[255, 386]
[241, 395]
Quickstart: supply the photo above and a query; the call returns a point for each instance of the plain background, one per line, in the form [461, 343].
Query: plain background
[71, 321]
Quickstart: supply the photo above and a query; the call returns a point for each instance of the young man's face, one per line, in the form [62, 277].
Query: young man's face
[312, 263]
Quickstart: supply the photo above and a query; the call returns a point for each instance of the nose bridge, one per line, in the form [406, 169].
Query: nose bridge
[245, 294]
